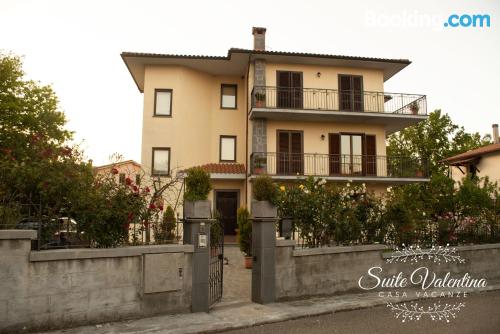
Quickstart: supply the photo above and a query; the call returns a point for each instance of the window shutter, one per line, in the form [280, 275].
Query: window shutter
[334, 151]
[371, 155]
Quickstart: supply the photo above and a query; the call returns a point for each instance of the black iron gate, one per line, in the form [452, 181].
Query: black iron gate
[216, 266]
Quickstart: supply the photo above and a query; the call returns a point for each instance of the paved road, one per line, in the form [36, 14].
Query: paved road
[480, 315]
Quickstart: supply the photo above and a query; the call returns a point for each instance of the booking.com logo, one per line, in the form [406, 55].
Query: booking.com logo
[466, 20]
[416, 19]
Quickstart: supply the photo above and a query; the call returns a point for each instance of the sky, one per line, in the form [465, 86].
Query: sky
[75, 46]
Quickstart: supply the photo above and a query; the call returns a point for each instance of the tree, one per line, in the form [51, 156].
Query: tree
[434, 140]
[29, 113]
[36, 164]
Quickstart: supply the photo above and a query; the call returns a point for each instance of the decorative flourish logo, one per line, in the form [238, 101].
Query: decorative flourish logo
[421, 283]
[413, 254]
[437, 312]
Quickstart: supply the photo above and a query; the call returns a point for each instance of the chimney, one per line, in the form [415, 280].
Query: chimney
[259, 38]
[495, 134]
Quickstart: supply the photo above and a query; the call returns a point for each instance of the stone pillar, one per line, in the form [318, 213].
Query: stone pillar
[259, 129]
[263, 266]
[193, 228]
[259, 135]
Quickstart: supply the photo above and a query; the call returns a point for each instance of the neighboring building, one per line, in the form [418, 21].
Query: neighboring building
[128, 168]
[480, 162]
[285, 114]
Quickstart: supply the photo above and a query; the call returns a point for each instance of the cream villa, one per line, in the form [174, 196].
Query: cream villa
[481, 162]
[285, 114]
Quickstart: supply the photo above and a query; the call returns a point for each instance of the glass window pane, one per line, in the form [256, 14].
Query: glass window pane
[227, 148]
[163, 103]
[160, 161]
[356, 145]
[228, 97]
[345, 144]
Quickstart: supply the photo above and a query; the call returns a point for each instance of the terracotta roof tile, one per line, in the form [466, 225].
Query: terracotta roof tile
[473, 153]
[224, 168]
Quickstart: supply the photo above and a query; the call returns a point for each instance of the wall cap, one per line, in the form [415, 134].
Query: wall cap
[337, 250]
[285, 243]
[18, 234]
[94, 253]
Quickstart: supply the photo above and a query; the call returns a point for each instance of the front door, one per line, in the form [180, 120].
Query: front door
[289, 89]
[290, 153]
[226, 203]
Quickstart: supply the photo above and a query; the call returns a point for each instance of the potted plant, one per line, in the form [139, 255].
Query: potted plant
[259, 165]
[414, 107]
[245, 235]
[265, 194]
[198, 186]
[260, 99]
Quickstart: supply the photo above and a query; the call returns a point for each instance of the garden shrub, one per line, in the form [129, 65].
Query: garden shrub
[264, 189]
[244, 231]
[197, 184]
[164, 228]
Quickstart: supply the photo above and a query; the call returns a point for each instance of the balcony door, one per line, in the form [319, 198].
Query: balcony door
[350, 92]
[290, 155]
[352, 154]
[289, 89]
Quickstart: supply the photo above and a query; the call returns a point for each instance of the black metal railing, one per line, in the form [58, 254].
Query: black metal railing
[334, 100]
[315, 164]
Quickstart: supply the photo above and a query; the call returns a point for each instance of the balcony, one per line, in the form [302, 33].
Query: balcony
[395, 110]
[339, 167]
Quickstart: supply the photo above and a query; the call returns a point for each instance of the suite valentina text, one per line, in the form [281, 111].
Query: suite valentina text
[422, 279]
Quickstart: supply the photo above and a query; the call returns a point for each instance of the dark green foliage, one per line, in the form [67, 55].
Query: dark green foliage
[244, 231]
[264, 189]
[197, 184]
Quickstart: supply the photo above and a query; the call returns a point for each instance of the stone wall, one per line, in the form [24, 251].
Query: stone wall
[335, 270]
[63, 288]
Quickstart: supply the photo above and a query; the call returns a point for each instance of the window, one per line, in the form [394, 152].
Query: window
[351, 92]
[121, 178]
[227, 148]
[228, 96]
[161, 161]
[163, 102]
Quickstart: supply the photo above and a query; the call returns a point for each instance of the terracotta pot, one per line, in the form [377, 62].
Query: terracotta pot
[258, 170]
[260, 104]
[414, 111]
[248, 262]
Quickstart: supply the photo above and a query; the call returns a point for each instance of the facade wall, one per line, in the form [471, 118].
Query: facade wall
[130, 170]
[373, 80]
[335, 270]
[70, 287]
[197, 121]
[314, 130]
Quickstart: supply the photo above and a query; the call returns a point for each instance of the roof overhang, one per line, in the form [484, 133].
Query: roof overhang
[236, 62]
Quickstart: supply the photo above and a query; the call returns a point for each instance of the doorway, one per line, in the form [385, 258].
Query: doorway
[290, 153]
[351, 93]
[290, 89]
[226, 204]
